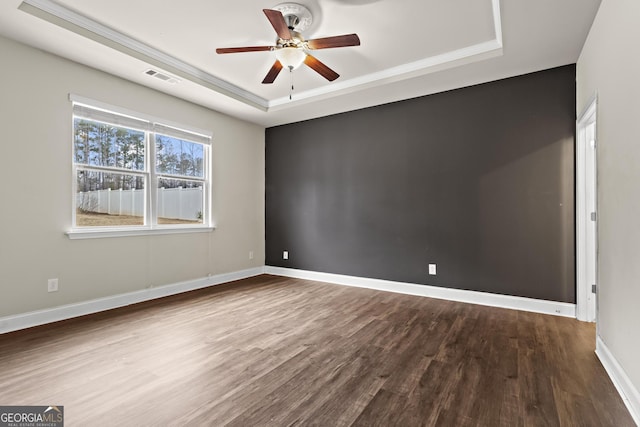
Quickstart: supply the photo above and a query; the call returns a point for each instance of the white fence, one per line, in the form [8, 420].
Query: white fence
[176, 203]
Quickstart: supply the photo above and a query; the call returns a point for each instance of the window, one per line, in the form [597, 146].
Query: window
[136, 174]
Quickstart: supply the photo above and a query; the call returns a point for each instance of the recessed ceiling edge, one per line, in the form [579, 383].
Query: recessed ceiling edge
[63, 17]
[77, 23]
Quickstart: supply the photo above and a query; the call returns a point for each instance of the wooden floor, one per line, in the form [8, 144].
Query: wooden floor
[271, 351]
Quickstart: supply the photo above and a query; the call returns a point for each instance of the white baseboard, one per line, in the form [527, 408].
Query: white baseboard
[629, 393]
[41, 317]
[472, 297]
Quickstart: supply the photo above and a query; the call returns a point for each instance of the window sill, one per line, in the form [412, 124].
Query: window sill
[95, 233]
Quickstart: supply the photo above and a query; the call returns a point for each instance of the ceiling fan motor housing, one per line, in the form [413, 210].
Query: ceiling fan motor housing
[297, 17]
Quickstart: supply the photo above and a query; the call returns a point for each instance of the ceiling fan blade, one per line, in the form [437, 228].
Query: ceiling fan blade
[273, 73]
[320, 68]
[278, 23]
[335, 41]
[243, 49]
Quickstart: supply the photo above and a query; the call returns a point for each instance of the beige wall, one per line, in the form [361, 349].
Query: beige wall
[610, 66]
[35, 190]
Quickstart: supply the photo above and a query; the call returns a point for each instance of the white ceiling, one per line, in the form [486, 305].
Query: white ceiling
[408, 48]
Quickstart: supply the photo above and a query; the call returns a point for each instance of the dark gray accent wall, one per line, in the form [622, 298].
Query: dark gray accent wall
[479, 181]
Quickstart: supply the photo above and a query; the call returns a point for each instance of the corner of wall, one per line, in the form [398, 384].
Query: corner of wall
[629, 393]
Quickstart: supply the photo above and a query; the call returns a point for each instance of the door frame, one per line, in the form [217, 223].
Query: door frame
[586, 175]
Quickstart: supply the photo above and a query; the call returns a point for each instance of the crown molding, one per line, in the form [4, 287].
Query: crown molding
[432, 64]
[428, 65]
[77, 23]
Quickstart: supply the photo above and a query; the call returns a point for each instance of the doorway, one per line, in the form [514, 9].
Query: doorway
[586, 215]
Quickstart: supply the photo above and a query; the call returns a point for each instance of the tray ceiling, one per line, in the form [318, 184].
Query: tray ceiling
[408, 48]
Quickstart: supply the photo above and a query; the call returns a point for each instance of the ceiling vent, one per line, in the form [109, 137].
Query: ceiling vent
[161, 76]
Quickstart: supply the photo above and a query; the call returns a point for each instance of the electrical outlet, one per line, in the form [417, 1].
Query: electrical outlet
[285, 255]
[250, 254]
[52, 285]
[432, 269]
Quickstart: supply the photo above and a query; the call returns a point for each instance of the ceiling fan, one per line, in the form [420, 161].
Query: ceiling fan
[292, 50]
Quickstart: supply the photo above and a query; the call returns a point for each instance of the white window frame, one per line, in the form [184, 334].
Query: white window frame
[152, 126]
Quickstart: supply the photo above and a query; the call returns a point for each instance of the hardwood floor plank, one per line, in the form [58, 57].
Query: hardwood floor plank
[383, 410]
[273, 351]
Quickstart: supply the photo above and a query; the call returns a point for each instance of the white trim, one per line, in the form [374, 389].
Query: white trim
[424, 66]
[64, 17]
[94, 233]
[472, 297]
[628, 392]
[153, 120]
[56, 314]
[85, 108]
[585, 177]
[497, 20]
[75, 22]
[466, 55]
[590, 109]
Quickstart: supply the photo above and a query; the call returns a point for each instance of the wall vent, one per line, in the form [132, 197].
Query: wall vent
[164, 77]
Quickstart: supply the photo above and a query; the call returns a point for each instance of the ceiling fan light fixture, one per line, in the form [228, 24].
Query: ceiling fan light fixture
[291, 57]
[291, 48]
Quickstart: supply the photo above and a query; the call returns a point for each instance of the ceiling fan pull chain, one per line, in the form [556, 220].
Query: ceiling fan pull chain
[291, 92]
